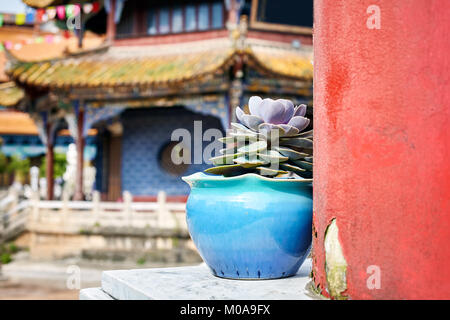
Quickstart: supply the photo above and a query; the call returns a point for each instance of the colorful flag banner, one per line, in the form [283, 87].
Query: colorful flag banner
[30, 16]
[69, 10]
[95, 7]
[20, 19]
[61, 12]
[43, 15]
[87, 8]
[8, 45]
[49, 38]
[51, 13]
[40, 15]
[76, 9]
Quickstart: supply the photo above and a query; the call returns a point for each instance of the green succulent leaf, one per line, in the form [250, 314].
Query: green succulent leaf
[229, 150]
[270, 172]
[227, 139]
[253, 147]
[297, 142]
[225, 159]
[249, 163]
[272, 156]
[243, 135]
[303, 164]
[290, 167]
[305, 134]
[306, 174]
[241, 128]
[227, 170]
[290, 153]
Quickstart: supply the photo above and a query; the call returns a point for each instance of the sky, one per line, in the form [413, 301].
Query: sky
[12, 6]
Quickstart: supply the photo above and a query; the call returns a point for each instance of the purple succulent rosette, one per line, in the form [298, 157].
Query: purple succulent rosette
[268, 114]
[269, 141]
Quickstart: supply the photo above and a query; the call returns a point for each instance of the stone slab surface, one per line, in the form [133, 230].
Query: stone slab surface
[197, 283]
[94, 294]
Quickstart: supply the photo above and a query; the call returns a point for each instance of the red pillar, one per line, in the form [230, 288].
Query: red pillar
[382, 141]
[49, 170]
[110, 23]
[80, 156]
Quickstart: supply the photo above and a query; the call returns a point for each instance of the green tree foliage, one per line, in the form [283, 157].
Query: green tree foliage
[3, 163]
[60, 163]
[20, 167]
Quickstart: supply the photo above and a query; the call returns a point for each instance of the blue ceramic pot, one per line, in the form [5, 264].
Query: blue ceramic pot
[249, 226]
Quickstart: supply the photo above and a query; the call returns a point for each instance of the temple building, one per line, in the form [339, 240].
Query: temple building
[161, 66]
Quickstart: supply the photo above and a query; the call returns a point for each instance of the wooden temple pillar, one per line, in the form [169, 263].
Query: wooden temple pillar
[110, 23]
[49, 169]
[80, 155]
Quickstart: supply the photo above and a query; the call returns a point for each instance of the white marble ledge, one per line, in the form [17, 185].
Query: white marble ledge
[94, 294]
[196, 283]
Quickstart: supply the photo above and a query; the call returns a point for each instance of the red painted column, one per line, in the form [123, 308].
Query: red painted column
[110, 23]
[382, 145]
[80, 156]
[49, 169]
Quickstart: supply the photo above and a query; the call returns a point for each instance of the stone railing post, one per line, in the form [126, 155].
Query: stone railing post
[128, 211]
[65, 207]
[96, 205]
[14, 194]
[35, 198]
[164, 218]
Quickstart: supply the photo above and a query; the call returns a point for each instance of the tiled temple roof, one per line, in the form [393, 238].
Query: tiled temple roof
[10, 94]
[106, 70]
[30, 50]
[286, 63]
[40, 3]
[156, 65]
[15, 122]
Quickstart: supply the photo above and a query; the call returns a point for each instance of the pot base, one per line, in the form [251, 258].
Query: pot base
[253, 279]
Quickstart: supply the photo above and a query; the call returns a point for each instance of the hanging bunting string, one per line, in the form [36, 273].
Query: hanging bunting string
[41, 15]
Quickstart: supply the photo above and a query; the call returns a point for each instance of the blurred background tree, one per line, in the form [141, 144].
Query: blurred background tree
[3, 163]
[19, 167]
[59, 165]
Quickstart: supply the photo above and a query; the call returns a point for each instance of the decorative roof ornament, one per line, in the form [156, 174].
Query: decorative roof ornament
[238, 33]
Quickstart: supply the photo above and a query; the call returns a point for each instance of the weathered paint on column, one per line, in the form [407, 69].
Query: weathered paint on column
[382, 144]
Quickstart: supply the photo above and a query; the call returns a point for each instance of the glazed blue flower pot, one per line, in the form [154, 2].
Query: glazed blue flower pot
[249, 226]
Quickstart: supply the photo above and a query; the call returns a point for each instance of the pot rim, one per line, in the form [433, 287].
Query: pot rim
[207, 177]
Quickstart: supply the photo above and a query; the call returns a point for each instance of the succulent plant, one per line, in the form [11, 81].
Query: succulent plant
[269, 141]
